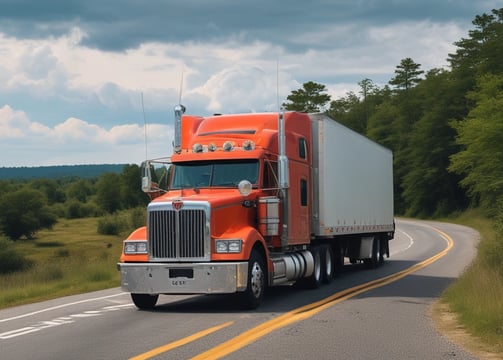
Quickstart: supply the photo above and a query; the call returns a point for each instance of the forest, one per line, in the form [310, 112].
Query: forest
[444, 126]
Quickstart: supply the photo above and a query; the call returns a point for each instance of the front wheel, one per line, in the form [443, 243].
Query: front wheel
[255, 289]
[144, 301]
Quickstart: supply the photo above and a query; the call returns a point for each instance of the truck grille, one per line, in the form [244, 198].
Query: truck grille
[177, 235]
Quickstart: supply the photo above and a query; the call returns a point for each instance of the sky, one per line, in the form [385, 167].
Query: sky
[95, 81]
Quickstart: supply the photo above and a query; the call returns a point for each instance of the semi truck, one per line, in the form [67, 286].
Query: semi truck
[251, 201]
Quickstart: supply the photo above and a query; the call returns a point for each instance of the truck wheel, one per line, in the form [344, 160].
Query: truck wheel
[377, 257]
[328, 263]
[144, 301]
[314, 281]
[384, 250]
[339, 259]
[255, 289]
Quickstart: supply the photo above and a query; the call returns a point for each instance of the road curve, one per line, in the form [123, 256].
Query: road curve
[347, 318]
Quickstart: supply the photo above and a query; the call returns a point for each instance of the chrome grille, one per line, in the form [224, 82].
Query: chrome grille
[177, 235]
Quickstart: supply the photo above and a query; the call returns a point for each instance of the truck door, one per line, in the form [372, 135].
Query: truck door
[299, 193]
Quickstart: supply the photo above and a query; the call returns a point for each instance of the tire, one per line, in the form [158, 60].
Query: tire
[144, 301]
[255, 288]
[314, 281]
[382, 250]
[339, 259]
[328, 263]
[377, 256]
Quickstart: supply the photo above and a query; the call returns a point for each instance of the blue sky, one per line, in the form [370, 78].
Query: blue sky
[73, 73]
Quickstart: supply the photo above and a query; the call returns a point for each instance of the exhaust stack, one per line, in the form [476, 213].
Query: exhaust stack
[283, 176]
[177, 142]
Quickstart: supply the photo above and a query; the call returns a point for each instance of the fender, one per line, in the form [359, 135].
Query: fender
[250, 237]
[138, 234]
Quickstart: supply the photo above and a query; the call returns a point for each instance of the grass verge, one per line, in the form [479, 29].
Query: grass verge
[477, 296]
[69, 259]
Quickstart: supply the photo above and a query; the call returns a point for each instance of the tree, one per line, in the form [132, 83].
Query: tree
[131, 192]
[310, 98]
[407, 74]
[346, 110]
[482, 51]
[428, 188]
[51, 189]
[24, 212]
[481, 136]
[80, 190]
[108, 192]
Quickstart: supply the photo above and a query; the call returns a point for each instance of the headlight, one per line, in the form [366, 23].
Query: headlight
[135, 247]
[228, 246]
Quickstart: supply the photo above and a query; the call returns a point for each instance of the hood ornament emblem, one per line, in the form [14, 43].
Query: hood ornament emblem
[177, 204]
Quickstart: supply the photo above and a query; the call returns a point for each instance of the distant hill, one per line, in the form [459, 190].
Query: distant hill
[60, 171]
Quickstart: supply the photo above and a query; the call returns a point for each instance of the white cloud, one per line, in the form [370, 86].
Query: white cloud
[76, 141]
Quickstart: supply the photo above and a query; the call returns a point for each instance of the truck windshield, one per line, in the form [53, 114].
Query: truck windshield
[208, 174]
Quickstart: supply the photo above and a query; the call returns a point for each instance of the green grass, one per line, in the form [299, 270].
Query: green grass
[477, 296]
[71, 258]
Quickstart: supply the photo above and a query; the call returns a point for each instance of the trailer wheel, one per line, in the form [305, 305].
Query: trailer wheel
[144, 301]
[328, 263]
[383, 250]
[377, 256]
[255, 289]
[339, 259]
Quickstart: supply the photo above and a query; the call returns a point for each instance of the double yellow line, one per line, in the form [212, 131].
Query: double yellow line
[295, 315]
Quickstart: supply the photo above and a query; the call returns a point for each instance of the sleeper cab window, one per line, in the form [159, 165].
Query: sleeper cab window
[302, 148]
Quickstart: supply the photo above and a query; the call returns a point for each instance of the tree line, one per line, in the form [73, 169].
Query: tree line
[27, 206]
[444, 126]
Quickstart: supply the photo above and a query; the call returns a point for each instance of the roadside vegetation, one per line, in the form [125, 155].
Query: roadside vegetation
[68, 259]
[444, 126]
[477, 295]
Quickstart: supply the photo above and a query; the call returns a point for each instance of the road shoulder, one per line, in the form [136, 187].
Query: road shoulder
[446, 323]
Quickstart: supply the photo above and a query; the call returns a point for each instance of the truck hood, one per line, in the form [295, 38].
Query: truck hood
[215, 196]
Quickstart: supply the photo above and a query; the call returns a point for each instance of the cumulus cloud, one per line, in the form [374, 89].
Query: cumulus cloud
[76, 141]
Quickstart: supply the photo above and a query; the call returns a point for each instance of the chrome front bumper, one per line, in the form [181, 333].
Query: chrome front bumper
[187, 278]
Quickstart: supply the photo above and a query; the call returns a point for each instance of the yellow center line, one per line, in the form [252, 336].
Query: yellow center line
[181, 342]
[309, 310]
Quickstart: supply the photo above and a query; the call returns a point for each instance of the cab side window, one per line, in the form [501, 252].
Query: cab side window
[302, 148]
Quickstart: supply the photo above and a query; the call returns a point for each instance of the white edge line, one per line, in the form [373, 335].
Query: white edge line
[411, 242]
[61, 306]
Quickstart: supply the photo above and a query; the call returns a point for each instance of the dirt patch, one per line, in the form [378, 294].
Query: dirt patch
[447, 324]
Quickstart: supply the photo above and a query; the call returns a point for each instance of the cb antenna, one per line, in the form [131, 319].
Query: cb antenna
[181, 89]
[144, 125]
[277, 84]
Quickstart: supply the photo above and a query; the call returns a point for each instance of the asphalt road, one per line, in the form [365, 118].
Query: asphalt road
[389, 321]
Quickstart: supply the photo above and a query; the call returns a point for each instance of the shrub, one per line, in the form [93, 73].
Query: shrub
[138, 218]
[11, 260]
[111, 225]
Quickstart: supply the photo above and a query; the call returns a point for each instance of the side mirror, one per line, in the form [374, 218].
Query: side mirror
[146, 177]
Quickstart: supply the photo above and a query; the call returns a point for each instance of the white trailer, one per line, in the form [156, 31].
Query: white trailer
[354, 199]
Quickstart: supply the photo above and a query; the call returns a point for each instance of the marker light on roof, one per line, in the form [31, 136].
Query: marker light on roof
[248, 145]
[212, 147]
[228, 146]
[197, 148]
